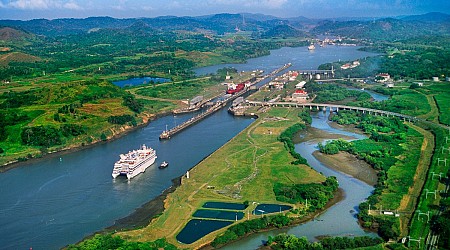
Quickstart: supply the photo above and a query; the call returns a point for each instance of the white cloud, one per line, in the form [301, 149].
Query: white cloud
[72, 6]
[148, 8]
[272, 4]
[31, 4]
[174, 5]
[43, 5]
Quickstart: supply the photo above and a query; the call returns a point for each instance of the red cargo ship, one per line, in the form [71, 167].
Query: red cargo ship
[238, 88]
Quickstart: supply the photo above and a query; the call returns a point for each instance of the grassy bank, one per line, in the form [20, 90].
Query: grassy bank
[73, 114]
[401, 154]
[49, 124]
[244, 169]
[434, 180]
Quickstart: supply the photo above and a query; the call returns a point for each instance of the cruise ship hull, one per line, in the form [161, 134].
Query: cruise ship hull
[134, 163]
[131, 174]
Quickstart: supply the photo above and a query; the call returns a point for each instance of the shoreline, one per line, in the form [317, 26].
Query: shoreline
[150, 210]
[146, 213]
[15, 164]
[348, 164]
[142, 216]
[339, 195]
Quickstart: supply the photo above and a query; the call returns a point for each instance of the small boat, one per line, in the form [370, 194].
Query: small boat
[164, 164]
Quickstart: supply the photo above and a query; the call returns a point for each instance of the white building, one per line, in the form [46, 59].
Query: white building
[300, 85]
[383, 77]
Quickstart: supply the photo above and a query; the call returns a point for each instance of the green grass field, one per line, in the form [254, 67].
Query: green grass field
[401, 175]
[441, 93]
[427, 203]
[244, 169]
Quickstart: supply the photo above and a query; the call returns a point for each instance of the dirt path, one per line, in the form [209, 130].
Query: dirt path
[433, 115]
[409, 201]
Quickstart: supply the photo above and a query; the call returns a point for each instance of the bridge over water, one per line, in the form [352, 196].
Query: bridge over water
[331, 107]
[337, 107]
[316, 74]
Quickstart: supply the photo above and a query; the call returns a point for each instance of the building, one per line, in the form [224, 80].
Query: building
[276, 84]
[300, 95]
[196, 100]
[300, 85]
[350, 66]
[383, 77]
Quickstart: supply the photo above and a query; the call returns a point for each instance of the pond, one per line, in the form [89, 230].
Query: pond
[197, 228]
[218, 214]
[139, 81]
[270, 208]
[224, 205]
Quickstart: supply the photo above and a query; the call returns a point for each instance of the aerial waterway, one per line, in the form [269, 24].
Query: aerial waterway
[218, 104]
[57, 201]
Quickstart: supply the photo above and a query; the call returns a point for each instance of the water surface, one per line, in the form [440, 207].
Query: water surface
[300, 57]
[139, 81]
[338, 220]
[55, 202]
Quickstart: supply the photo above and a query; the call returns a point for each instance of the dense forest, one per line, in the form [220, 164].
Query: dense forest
[383, 150]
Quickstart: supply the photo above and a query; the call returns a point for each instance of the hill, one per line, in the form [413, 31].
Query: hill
[428, 17]
[388, 29]
[217, 23]
[5, 59]
[8, 34]
[283, 31]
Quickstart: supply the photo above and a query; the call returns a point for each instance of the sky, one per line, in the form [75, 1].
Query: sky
[51, 9]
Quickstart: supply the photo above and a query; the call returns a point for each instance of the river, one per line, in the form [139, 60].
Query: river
[338, 220]
[57, 201]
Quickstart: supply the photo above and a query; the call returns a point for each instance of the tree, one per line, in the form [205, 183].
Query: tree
[414, 86]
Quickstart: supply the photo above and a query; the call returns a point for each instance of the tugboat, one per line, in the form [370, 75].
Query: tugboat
[164, 164]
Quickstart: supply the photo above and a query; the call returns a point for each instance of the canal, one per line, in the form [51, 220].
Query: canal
[57, 201]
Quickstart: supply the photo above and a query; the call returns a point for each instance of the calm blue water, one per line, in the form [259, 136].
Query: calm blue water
[197, 228]
[53, 203]
[224, 205]
[270, 208]
[218, 214]
[376, 96]
[300, 57]
[139, 81]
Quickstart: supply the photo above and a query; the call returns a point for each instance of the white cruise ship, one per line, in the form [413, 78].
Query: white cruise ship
[134, 162]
